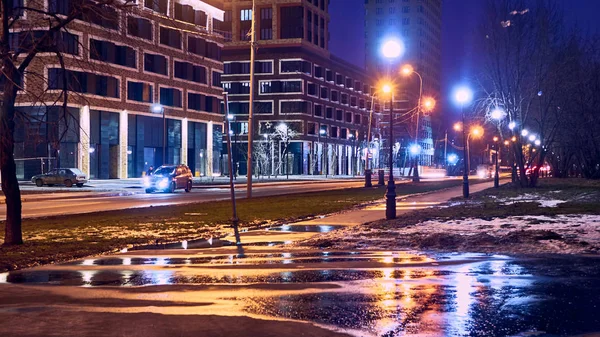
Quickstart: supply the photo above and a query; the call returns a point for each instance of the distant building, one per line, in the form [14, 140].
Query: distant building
[323, 99]
[123, 72]
[418, 24]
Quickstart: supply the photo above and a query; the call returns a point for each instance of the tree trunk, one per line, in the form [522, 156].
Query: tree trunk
[518, 150]
[10, 185]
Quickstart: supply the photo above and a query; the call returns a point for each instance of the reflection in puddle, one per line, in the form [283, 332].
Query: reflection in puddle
[306, 229]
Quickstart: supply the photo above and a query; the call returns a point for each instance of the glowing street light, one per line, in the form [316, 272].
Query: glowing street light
[512, 125]
[452, 159]
[532, 138]
[407, 70]
[495, 139]
[392, 49]
[477, 131]
[538, 142]
[457, 126]
[524, 132]
[463, 95]
[428, 104]
[498, 114]
[415, 149]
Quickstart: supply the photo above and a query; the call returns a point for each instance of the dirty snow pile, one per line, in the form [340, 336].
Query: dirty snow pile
[565, 234]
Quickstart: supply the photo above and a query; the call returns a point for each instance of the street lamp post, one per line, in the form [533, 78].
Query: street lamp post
[407, 70]
[390, 195]
[368, 172]
[158, 108]
[391, 49]
[496, 174]
[463, 96]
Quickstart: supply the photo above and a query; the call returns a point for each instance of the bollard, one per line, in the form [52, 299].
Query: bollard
[368, 173]
[381, 181]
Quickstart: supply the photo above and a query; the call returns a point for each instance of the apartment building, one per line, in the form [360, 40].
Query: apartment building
[140, 83]
[417, 23]
[324, 100]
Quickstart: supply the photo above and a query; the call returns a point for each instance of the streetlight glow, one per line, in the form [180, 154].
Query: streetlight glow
[497, 114]
[512, 125]
[452, 159]
[463, 95]
[506, 142]
[156, 108]
[387, 88]
[428, 104]
[407, 70]
[524, 132]
[415, 149]
[538, 142]
[457, 126]
[477, 131]
[532, 138]
[495, 139]
[392, 49]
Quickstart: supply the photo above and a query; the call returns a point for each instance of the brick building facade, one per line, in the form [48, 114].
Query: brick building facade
[121, 69]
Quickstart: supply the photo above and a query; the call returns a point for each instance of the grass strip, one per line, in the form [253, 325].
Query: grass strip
[60, 238]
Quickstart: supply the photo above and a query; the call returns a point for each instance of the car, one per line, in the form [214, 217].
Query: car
[59, 176]
[169, 178]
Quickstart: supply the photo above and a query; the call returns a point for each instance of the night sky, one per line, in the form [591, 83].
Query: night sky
[459, 20]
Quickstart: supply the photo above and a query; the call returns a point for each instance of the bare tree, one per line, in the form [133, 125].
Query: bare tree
[26, 32]
[525, 72]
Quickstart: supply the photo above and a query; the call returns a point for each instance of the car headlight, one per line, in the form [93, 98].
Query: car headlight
[146, 181]
[163, 183]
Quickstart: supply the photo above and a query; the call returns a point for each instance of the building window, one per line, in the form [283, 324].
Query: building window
[190, 72]
[187, 14]
[263, 107]
[357, 119]
[199, 46]
[195, 101]
[312, 89]
[352, 101]
[246, 15]
[237, 88]
[405, 9]
[139, 91]
[329, 75]
[156, 64]
[348, 116]
[294, 107]
[263, 67]
[344, 99]
[170, 37]
[82, 82]
[103, 15]
[324, 93]
[170, 97]
[379, 11]
[318, 110]
[216, 79]
[270, 87]
[334, 96]
[139, 27]
[406, 21]
[318, 71]
[61, 41]
[295, 67]
[339, 115]
[292, 22]
[312, 128]
[266, 23]
[160, 6]
[329, 113]
[109, 52]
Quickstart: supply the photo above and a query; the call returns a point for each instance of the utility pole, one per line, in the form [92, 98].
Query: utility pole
[446, 150]
[251, 103]
[234, 218]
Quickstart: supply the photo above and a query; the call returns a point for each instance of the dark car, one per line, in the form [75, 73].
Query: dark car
[61, 176]
[168, 178]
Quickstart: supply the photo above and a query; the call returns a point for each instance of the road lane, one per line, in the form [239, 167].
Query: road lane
[90, 203]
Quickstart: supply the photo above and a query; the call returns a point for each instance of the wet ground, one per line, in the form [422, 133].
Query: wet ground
[359, 293]
[268, 290]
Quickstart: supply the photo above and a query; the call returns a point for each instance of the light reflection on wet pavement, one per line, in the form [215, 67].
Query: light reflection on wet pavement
[406, 294]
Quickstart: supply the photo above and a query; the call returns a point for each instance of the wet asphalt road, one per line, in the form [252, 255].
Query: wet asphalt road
[359, 293]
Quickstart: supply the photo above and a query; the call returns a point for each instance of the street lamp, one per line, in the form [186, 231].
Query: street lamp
[408, 70]
[463, 95]
[524, 132]
[284, 127]
[323, 132]
[496, 174]
[392, 49]
[390, 196]
[512, 125]
[159, 109]
[368, 172]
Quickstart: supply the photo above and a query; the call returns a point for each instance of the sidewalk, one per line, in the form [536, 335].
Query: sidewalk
[306, 229]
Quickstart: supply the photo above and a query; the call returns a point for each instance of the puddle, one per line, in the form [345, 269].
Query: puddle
[306, 229]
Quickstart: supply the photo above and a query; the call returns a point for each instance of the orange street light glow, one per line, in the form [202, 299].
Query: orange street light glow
[386, 88]
[457, 127]
[428, 104]
[495, 138]
[407, 70]
[477, 131]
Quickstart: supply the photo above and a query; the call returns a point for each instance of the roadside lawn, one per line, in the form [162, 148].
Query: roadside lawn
[62, 238]
[559, 216]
